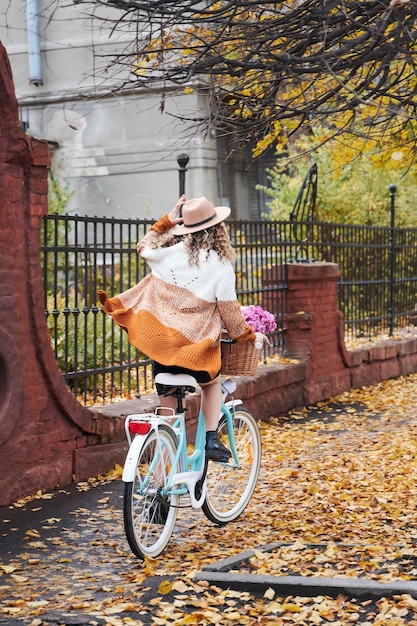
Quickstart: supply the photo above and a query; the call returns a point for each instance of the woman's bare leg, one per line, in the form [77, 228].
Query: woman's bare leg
[211, 404]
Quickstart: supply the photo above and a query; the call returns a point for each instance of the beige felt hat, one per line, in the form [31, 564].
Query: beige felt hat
[198, 214]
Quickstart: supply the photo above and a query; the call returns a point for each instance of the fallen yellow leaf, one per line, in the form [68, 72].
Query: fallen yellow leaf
[165, 587]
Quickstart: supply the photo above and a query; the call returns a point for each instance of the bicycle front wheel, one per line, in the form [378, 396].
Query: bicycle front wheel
[149, 514]
[230, 486]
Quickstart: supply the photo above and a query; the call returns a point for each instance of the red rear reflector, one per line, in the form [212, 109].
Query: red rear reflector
[139, 428]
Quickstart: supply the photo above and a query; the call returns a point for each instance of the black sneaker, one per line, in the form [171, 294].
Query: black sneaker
[215, 449]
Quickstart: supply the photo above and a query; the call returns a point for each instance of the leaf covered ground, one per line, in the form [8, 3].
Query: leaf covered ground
[337, 491]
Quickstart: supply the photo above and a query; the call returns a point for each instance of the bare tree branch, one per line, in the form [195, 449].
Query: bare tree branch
[310, 61]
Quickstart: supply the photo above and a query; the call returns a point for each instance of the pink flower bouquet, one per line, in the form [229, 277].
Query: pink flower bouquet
[261, 321]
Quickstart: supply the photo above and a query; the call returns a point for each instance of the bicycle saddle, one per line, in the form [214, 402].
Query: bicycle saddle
[177, 380]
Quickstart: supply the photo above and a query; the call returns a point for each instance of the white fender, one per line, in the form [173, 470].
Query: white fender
[233, 403]
[130, 465]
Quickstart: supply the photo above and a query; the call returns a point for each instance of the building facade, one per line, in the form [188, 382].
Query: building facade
[115, 150]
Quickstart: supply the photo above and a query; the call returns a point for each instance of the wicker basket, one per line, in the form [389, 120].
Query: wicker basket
[239, 359]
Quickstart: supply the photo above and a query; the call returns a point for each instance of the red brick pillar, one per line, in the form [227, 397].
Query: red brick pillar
[314, 326]
[43, 429]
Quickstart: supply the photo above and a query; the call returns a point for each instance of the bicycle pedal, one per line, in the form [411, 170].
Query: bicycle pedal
[221, 459]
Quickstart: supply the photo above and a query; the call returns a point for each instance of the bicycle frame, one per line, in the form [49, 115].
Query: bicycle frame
[160, 468]
[194, 466]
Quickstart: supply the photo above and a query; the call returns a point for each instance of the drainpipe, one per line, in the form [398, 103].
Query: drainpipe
[34, 42]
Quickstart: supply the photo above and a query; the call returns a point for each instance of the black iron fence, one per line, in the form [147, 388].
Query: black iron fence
[81, 255]
[378, 285]
[377, 290]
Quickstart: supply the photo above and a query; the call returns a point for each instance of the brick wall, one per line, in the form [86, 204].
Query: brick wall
[47, 438]
[42, 426]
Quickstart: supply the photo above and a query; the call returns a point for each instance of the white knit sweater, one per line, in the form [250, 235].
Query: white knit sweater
[175, 314]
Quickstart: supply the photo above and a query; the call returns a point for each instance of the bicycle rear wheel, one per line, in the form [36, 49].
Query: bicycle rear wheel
[230, 487]
[149, 516]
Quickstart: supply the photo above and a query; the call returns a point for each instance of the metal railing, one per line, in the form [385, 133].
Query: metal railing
[377, 289]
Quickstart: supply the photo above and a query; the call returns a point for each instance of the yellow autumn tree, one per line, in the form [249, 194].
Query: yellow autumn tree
[354, 178]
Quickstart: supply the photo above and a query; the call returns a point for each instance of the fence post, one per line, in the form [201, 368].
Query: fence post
[182, 160]
[392, 189]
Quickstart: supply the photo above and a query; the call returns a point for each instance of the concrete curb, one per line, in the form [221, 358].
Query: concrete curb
[218, 574]
[308, 585]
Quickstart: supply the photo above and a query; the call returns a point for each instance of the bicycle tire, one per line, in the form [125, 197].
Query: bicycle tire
[230, 488]
[149, 518]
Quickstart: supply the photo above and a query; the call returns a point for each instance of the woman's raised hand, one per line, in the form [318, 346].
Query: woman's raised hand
[174, 215]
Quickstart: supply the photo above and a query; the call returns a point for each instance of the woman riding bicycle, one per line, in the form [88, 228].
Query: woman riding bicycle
[175, 314]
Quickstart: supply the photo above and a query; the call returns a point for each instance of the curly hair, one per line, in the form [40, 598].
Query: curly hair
[214, 238]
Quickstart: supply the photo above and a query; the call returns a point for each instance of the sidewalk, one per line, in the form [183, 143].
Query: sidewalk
[64, 558]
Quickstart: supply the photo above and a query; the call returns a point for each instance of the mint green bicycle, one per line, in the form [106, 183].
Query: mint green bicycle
[160, 473]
